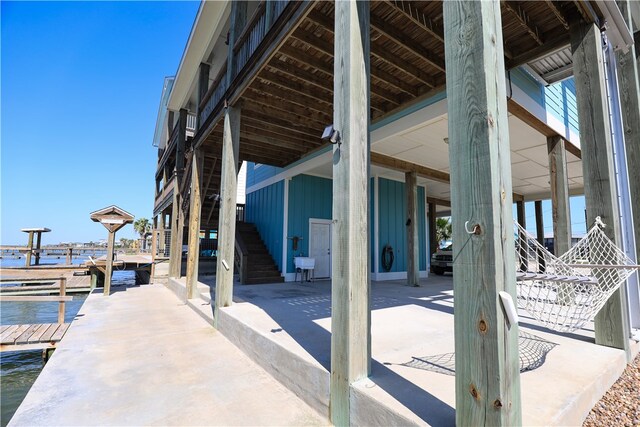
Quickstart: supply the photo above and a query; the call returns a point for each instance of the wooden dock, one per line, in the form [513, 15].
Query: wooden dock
[31, 337]
[36, 336]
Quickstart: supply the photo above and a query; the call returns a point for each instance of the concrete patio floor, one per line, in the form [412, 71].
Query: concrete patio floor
[141, 357]
[286, 329]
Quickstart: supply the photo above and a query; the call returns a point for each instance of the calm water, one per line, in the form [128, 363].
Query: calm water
[19, 369]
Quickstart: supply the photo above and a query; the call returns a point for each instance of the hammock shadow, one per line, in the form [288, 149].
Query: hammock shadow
[533, 351]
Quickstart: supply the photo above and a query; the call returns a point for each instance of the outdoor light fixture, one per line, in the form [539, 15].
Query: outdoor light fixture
[332, 135]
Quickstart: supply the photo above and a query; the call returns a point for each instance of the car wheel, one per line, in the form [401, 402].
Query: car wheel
[438, 271]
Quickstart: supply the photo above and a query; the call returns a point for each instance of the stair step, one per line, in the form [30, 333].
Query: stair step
[262, 281]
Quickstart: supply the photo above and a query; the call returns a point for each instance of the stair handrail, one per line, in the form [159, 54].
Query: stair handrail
[241, 257]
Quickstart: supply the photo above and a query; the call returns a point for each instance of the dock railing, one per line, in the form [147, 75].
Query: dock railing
[62, 298]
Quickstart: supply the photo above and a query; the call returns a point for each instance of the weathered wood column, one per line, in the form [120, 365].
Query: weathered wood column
[433, 239]
[38, 245]
[413, 260]
[350, 311]
[611, 324]
[521, 215]
[111, 238]
[559, 181]
[539, 222]
[227, 215]
[193, 255]
[540, 234]
[486, 345]
[629, 91]
[27, 261]
[177, 215]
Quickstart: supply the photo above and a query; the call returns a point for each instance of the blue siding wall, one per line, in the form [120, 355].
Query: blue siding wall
[528, 84]
[392, 223]
[265, 208]
[260, 173]
[309, 197]
[560, 101]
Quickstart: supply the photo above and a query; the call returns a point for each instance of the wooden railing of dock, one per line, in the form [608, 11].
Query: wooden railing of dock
[35, 336]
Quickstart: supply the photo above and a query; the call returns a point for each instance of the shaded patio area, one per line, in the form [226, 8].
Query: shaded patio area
[286, 328]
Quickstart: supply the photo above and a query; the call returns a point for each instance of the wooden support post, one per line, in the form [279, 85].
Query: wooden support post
[94, 278]
[539, 222]
[611, 323]
[27, 262]
[193, 255]
[413, 260]
[487, 367]
[69, 256]
[559, 180]
[109, 265]
[522, 220]
[227, 213]
[177, 215]
[350, 290]
[433, 239]
[38, 244]
[63, 292]
[629, 91]
[540, 234]
[175, 248]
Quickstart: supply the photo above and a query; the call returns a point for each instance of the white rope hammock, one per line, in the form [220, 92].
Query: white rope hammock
[566, 292]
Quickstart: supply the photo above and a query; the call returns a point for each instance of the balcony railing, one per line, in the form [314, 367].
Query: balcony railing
[214, 95]
[264, 18]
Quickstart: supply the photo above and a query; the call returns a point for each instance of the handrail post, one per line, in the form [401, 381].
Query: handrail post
[62, 305]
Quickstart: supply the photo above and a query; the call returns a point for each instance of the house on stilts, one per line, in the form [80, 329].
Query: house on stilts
[359, 124]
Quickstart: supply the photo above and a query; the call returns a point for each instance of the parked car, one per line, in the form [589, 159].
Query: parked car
[442, 261]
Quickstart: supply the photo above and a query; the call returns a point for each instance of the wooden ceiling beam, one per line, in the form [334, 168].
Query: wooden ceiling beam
[402, 65]
[423, 171]
[308, 77]
[295, 98]
[252, 150]
[325, 22]
[548, 48]
[404, 166]
[275, 133]
[296, 115]
[524, 20]
[551, 5]
[277, 129]
[289, 121]
[284, 104]
[273, 142]
[413, 14]
[400, 38]
[317, 94]
[439, 202]
[526, 116]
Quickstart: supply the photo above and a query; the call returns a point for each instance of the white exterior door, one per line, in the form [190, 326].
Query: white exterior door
[320, 247]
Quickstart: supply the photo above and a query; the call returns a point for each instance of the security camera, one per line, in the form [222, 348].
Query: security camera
[331, 135]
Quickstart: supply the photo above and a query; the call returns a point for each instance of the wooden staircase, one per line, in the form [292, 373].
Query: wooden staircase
[253, 260]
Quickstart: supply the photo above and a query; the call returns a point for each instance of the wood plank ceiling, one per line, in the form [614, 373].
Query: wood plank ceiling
[288, 104]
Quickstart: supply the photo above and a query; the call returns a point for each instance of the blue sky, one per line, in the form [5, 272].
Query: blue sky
[81, 85]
